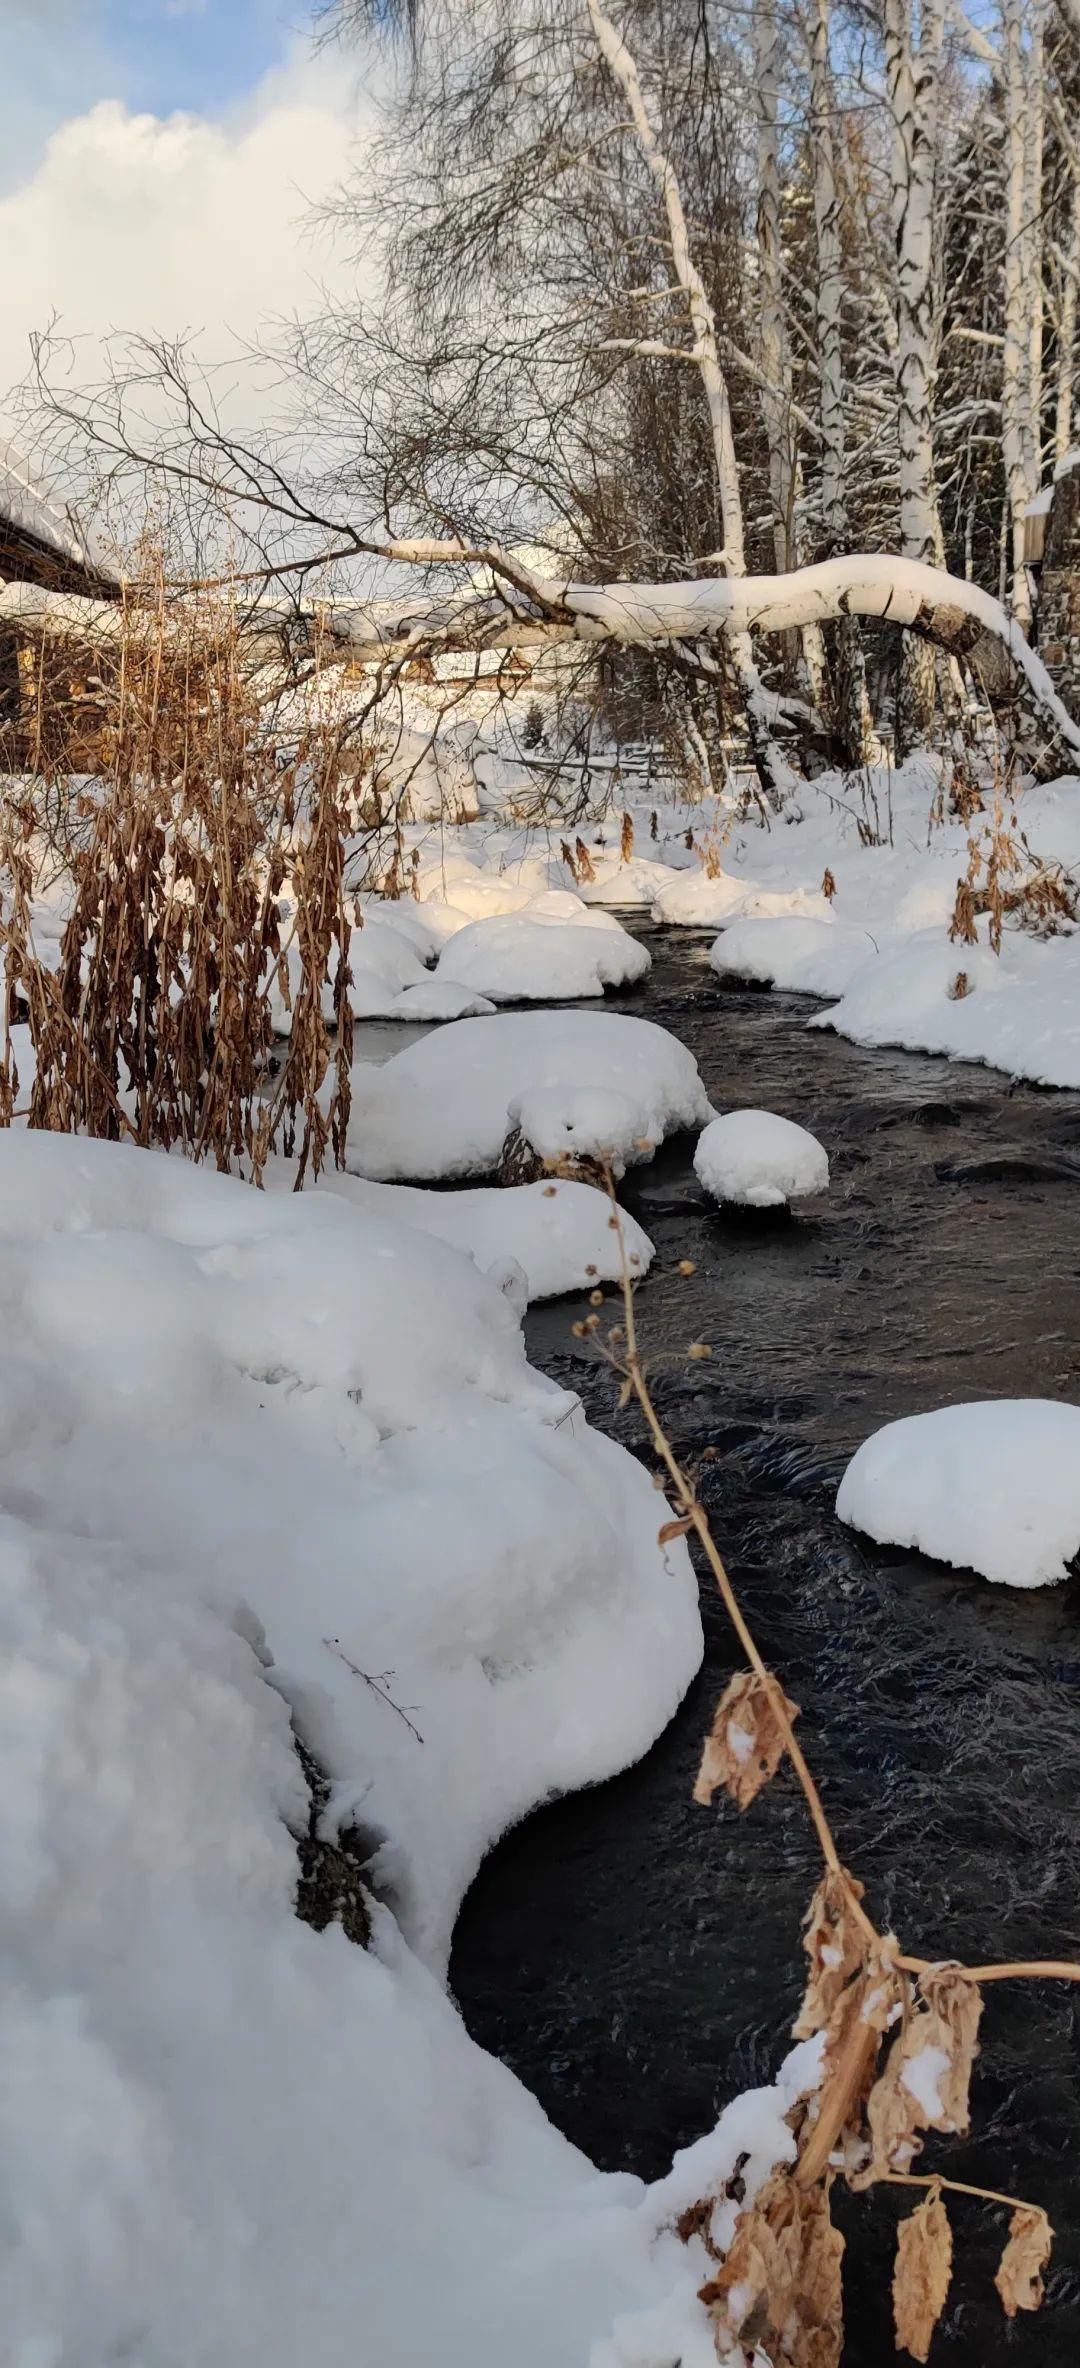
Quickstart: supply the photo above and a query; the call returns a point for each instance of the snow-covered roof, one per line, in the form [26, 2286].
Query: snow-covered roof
[24, 504]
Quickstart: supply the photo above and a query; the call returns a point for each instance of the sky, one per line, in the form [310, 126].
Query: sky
[160, 165]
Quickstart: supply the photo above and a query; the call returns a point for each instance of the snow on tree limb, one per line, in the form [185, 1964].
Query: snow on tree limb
[956, 616]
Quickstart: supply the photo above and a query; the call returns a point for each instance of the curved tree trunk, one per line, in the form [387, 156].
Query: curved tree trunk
[530, 612]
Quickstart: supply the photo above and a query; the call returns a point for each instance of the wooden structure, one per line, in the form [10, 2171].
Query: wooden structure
[44, 701]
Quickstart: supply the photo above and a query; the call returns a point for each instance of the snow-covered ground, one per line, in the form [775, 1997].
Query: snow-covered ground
[849, 898]
[254, 1446]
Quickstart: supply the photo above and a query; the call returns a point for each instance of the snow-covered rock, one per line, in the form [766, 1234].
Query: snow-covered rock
[557, 1233]
[439, 999]
[565, 1122]
[810, 957]
[441, 1107]
[993, 1487]
[759, 1160]
[532, 957]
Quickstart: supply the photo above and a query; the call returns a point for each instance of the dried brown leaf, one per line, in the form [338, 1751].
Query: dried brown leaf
[852, 2040]
[1019, 2278]
[747, 1742]
[834, 1943]
[927, 2075]
[780, 2285]
[921, 2276]
[673, 1529]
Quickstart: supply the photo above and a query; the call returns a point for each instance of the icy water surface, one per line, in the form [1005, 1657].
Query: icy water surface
[636, 1959]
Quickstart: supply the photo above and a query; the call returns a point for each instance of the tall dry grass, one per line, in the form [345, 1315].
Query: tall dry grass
[203, 869]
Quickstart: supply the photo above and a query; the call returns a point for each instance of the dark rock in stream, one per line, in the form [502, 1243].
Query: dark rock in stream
[636, 1959]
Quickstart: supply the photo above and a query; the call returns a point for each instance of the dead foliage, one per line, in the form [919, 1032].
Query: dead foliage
[626, 838]
[205, 869]
[1019, 2278]
[921, 2276]
[779, 2290]
[747, 1741]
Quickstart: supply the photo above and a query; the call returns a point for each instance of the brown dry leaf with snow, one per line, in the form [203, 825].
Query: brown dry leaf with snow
[927, 2074]
[921, 2275]
[835, 2119]
[834, 1943]
[747, 1742]
[780, 2286]
[1019, 2278]
[955, 2013]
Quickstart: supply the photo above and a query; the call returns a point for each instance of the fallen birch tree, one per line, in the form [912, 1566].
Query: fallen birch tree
[520, 611]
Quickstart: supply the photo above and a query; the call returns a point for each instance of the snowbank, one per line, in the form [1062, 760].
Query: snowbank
[758, 1160]
[993, 1488]
[325, 1416]
[806, 956]
[247, 1440]
[556, 1236]
[441, 1107]
[535, 957]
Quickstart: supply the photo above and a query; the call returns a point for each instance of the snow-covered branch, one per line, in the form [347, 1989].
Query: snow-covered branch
[956, 616]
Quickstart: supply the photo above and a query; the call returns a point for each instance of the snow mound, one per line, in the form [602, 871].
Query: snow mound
[808, 957]
[636, 883]
[439, 999]
[760, 1160]
[558, 1234]
[416, 923]
[993, 1488]
[535, 957]
[698, 902]
[564, 1122]
[441, 1107]
[324, 1419]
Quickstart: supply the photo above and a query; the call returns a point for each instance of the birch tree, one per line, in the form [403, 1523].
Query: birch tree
[776, 775]
[912, 63]
[851, 714]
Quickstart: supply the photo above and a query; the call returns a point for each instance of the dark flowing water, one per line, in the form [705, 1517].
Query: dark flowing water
[636, 1959]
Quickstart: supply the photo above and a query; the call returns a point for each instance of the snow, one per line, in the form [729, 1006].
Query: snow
[440, 1108]
[439, 999]
[809, 957]
[246, 1438]
[993, 1487]
[759, 1160]
[564, 1122]
[699, 901]
[557, 1235]
[533, 957]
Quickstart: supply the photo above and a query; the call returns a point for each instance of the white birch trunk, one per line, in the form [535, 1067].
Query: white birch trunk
[851, 717]
[911, 74]
[1017, 436]
[776, 774]
[772, 328]
[1066, 347]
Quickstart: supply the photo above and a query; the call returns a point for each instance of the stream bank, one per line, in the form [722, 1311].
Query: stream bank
[636, 1959]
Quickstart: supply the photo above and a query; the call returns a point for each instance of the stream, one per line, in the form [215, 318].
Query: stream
[637, 1960]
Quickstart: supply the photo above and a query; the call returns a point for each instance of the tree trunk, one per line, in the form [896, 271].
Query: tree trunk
[850, 717]
[912, 81]
[775, 773]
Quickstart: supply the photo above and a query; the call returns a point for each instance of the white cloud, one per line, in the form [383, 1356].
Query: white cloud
[177, 224]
